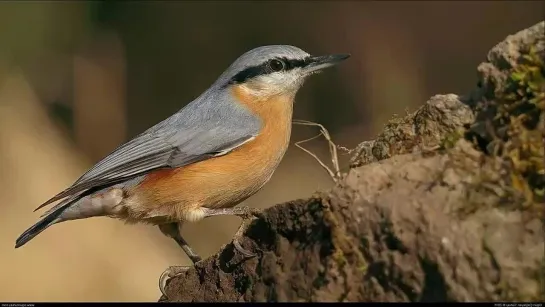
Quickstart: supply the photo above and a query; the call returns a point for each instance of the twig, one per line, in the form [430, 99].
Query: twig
[345, 150]
[336, 174]
[298, 144]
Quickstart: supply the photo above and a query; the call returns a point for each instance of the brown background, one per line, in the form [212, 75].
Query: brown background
[77, 79]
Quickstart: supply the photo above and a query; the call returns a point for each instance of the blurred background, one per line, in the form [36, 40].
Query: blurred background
[79, 78]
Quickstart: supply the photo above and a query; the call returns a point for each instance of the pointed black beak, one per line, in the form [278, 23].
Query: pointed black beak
[316, 63]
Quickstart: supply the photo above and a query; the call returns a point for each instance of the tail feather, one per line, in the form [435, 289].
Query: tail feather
[78, 206]
[49, 219]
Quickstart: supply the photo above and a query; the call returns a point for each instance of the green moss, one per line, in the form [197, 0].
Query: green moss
[341, 243]
[363, 268]
[451, 138]
[339, 257]
[523, 110]
[515, 125]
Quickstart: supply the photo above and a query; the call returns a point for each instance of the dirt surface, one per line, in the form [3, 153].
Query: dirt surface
[427, 212]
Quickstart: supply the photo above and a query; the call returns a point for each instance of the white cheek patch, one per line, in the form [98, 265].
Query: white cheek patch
[276, 83]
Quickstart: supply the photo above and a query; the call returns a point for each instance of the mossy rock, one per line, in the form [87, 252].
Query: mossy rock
[510, 115]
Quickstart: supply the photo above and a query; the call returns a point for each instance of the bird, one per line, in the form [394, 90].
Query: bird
[202, 161]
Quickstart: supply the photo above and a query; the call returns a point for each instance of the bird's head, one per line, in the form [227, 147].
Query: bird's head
[276, 70]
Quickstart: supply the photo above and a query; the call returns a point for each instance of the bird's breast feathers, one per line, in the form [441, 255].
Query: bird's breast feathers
[227, 179]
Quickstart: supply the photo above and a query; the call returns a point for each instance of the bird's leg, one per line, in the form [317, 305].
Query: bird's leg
[172, 230]
[247, 214]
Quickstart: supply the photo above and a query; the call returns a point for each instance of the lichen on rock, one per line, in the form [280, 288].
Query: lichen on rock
[510, 113]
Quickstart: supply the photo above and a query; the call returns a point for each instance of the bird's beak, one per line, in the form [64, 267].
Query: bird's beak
[317, 63]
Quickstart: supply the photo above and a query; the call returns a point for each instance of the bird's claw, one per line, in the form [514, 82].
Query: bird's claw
[246, 222]
[170, 272]
[240, 249]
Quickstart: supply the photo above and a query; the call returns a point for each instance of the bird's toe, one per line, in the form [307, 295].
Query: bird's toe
[168, 274]
[242, 250]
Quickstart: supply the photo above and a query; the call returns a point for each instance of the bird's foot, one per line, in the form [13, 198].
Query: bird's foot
[247, 214]
[247, 218]
[169, 273]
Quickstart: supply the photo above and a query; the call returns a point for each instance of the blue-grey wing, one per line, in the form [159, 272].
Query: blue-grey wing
[156, 149]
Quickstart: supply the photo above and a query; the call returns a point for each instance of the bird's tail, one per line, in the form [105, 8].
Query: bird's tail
[51, 217]
[76, 207]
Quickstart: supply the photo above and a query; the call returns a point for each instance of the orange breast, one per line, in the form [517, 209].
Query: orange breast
[227, 180]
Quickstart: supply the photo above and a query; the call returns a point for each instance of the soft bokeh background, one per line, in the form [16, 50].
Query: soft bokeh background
[79, 78]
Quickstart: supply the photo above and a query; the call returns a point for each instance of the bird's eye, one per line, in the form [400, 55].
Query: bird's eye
[276, 65]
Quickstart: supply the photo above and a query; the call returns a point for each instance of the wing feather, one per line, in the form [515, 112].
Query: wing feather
[212, 125]
[145, 154]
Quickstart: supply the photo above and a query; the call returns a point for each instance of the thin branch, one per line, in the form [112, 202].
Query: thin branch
[336, 174]
[328, 170]
[345, 150]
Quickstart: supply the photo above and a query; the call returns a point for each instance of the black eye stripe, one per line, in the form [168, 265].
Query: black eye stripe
[291, 64]
[263, 69]
[247, 74]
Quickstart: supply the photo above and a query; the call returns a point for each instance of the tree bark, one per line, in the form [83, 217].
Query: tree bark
[446, 204]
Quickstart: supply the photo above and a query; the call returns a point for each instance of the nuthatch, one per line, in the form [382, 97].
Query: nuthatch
[202, 161]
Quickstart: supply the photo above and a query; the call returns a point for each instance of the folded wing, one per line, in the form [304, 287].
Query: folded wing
[155, 149]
